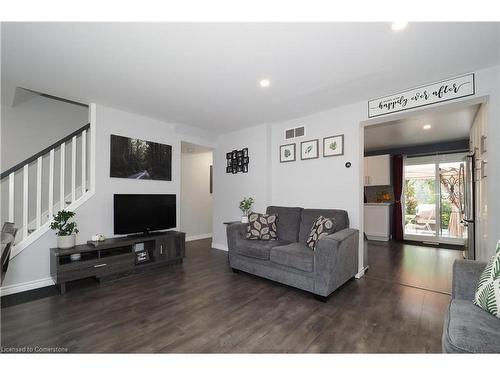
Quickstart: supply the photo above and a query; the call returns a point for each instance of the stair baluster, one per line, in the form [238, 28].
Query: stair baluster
[33, 227]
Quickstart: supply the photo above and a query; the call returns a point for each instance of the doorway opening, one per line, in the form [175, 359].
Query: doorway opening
[196, 191]
[422, 193]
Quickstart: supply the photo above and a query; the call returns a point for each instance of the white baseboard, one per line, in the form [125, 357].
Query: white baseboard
[22, 287]
[198, 237]
[382, 237]
[219, 246]
[361, 273]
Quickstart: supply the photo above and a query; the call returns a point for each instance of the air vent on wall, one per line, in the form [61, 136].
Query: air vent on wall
[289, 133]
[300, 132]
[294, 133]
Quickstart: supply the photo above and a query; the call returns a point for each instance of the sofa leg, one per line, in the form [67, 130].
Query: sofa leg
[321, 298]
[235, 270]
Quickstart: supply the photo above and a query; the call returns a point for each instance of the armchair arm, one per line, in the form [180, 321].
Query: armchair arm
[335, 260]
[466, 275]
[235, 233]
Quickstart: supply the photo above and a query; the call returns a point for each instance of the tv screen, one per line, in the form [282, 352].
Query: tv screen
[135, 213]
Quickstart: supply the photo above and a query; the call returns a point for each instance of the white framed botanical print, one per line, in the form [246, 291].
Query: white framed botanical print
[333, 146]
[309, 149]
[287, 153]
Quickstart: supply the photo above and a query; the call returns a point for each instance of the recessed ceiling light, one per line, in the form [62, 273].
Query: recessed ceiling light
[264, 83]
[399, 25]
[427, 127]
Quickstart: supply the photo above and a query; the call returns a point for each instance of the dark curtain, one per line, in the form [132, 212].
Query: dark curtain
[397, 183]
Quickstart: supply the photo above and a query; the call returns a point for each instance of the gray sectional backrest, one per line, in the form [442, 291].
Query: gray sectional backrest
[288, 224]
[294, 223]
[309, 215]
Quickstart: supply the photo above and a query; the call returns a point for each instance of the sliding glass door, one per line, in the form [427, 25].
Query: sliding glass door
[433, 198]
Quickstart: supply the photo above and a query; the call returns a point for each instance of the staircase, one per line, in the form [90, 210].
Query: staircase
[49, 179]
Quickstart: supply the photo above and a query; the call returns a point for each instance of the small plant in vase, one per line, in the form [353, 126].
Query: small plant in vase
[245, 207]
[65, 229]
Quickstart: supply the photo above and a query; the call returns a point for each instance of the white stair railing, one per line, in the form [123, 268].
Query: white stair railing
[33, 227]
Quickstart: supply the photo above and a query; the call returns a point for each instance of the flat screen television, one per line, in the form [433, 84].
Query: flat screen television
[143, 213]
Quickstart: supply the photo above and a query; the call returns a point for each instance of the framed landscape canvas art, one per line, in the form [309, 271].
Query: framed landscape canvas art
[333, 146]
[140, 160]
[287, 153]
[309, 149]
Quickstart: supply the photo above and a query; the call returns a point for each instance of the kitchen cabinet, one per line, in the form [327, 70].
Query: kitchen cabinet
[377, 170]
[378, 221]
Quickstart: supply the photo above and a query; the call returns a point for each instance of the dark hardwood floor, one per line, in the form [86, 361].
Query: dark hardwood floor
[409, 264]
[202, 307]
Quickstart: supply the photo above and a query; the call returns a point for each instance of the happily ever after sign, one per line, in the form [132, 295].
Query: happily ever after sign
[425, 95]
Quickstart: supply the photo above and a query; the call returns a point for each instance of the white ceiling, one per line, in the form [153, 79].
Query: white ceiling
[206, 74]
[445, 126]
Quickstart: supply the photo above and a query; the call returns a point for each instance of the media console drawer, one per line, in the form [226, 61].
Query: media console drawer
[112, 265]
[98, 267]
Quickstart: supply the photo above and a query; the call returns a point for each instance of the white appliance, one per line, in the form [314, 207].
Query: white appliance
[378, 221]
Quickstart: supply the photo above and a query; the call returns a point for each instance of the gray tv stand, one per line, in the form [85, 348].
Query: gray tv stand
[116, 256]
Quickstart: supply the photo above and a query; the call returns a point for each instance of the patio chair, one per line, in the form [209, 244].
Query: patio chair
[425, 217]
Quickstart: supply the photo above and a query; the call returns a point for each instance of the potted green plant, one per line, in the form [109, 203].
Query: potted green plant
[245, 207]
[66, 229]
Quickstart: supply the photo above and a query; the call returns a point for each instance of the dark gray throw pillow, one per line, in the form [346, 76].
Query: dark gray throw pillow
[261, 227]
[321, 228]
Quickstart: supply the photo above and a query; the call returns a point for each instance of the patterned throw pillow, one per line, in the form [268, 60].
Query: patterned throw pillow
[261, 227]
[488, 289]
[321, 227]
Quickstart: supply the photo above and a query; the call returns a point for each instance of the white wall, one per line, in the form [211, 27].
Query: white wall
[325, 182]
[230, 188]
[196, 199]
[29, 126]
[31, 267]
[317, 183]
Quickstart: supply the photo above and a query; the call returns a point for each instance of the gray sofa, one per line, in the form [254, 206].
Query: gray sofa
[289, 260]
[467, 328]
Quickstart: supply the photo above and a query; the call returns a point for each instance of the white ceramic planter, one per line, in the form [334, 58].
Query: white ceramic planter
[66, 242]
[244, 219]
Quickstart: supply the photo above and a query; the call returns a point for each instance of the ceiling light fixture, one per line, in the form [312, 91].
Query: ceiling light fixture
[427, 127]
[399, 25]
[264, 83]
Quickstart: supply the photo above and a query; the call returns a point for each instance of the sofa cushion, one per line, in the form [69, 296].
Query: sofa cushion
[468, 329]
[310, 215]
[294, 255]
[261, 227]
[288, 222]
[321, 228]
[257, 248]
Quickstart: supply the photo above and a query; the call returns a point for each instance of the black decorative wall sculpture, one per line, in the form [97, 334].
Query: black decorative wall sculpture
[237, 161]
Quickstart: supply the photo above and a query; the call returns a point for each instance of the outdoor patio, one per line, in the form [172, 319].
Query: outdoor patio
[424, 198]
